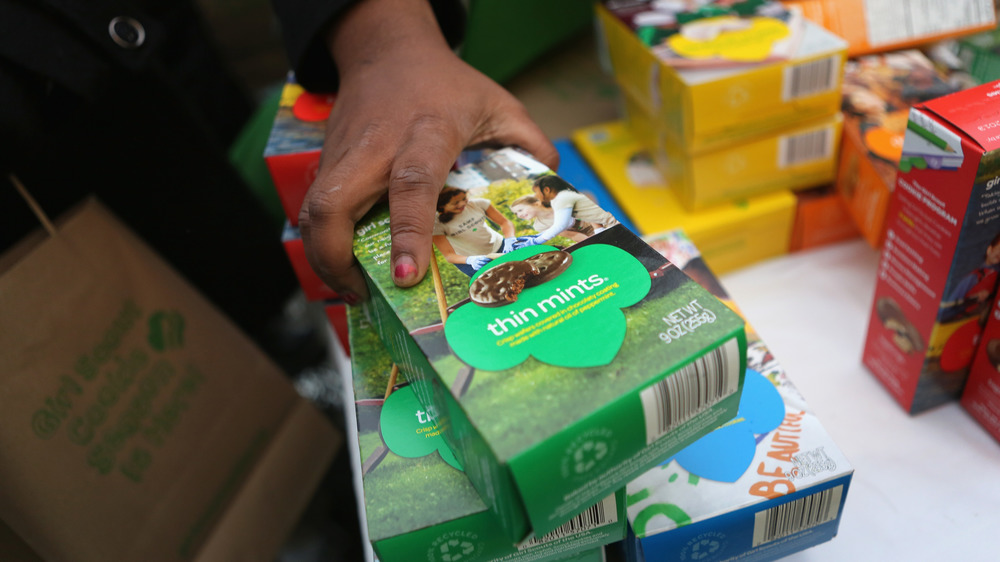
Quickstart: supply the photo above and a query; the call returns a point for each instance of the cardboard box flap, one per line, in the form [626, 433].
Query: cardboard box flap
[972, 111]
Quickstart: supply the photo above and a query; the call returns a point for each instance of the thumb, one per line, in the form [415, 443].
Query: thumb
[417, 176]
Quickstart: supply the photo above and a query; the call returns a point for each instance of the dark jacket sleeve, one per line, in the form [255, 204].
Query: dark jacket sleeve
[304, 24]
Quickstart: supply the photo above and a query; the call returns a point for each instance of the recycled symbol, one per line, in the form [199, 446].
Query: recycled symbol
[448, 555]
[710, 546]
[588, 455]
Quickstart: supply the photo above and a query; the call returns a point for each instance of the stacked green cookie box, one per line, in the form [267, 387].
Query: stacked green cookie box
[583, 377]
[419, 504]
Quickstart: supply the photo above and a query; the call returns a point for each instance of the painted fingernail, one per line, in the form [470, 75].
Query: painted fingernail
[405, 268]
[350, 298]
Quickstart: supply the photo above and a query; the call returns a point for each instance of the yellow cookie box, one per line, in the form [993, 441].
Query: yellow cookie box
[799, 157]
[730, 236]
[705, 109]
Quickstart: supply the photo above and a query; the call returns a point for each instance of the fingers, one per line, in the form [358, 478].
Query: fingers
[327, 242]
[377, 143]
[343, 191]
[418, 173]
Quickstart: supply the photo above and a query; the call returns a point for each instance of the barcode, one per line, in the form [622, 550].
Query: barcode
[691, 389]
[810, 78]
[799, 515]
[807, 147]
[604, 512]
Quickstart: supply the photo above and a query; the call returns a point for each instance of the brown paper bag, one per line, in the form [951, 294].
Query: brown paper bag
[136, 422]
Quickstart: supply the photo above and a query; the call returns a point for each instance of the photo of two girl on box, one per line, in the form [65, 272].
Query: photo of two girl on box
[464, 236]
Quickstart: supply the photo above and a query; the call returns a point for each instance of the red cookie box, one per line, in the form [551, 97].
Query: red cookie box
[940, 259]
[981, 397]
[294, 145]
[312, 286]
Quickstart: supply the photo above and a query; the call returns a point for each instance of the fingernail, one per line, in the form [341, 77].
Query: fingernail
[405, 268]
[350, 298]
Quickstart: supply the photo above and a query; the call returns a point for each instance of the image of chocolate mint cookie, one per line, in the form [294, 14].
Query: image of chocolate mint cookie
[905, 334]
[549, 265]
[501, 284]
[993, 353]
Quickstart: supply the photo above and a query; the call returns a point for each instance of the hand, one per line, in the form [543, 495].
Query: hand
[477, 261]
[526, 241]
[406, 107]
[508, 245]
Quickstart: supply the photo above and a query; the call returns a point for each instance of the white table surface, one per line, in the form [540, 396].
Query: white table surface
[925, 487]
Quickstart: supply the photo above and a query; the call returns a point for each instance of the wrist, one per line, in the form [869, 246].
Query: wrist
[373, 29]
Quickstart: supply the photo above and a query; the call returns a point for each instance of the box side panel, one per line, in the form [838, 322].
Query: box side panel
[487, 474]
[766, 531]
[798, 158]
[763, 99]
[821, 217]
[863, 190]
[730, 236]
[941, 220]
[590, 455]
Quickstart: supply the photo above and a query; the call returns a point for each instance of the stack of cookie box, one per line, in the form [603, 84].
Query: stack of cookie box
[416, 501]
[553, 386]
[730, 235]
[733, 234]
[711, 499]
[769, 483]
[729, 126]
[292, 157]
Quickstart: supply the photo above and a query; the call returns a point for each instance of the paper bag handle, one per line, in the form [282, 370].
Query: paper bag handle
[35, 207]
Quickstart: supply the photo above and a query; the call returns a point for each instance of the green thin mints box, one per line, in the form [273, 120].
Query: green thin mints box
[560, 355]
[419, 505]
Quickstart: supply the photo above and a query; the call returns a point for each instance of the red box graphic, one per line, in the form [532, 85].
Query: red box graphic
[981, 397]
